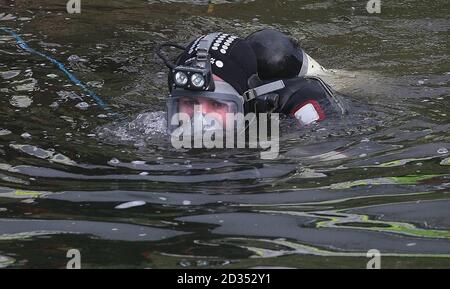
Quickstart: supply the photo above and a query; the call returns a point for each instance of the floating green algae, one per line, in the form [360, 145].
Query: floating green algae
[351, 221]
[413, 179]
[445, 162]
[24, 193]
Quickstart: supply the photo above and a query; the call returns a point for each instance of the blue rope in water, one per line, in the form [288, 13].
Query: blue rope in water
[22, 44]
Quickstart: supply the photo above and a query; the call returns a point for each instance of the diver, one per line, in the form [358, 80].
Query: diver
[263, 73]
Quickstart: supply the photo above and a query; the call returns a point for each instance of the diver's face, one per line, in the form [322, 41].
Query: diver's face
[189, 105]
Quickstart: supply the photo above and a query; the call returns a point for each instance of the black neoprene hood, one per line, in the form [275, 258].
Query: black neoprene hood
[232, 59]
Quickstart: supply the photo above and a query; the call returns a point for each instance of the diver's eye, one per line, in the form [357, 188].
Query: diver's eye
[190, 102]
[218, 105]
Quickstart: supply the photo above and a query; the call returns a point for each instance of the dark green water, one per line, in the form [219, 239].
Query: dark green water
[376, 179]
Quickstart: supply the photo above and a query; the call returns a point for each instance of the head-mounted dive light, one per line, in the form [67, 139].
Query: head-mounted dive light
[198, 75]
[195, 74]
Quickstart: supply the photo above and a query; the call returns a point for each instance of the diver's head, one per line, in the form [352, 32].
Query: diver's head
[278, 56]
[219, 105]
[210, 77]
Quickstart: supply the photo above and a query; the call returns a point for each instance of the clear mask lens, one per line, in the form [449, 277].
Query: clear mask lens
[201, 113]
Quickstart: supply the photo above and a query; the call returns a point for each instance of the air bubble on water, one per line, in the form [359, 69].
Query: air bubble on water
[4, 16]
[144, 174]
[145, 127]
[51, 75]
[131, 204]
[202, 263]
[76, 58]
[21, 101]
[138, 162]
[184, 263]
[65, 95]
[96, 84]
[62, 159]
[4, 132]
[140, 144]
[82, 105]
[114, 161]
[26, 135]
[186, 202]
[9, 74]
[28, 84]
[442, 151]
[27, 201]
[226, 262]
[43, 154]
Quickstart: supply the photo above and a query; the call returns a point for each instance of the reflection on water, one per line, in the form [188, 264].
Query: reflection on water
[75, 176]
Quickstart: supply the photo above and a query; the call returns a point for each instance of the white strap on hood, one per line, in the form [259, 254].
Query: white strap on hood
[310, 67]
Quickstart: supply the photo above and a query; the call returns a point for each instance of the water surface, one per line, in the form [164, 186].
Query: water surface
[375, 179]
